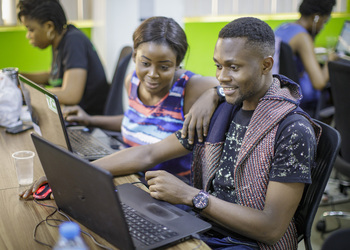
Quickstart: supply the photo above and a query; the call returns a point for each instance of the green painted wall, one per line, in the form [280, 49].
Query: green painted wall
[202, 37]
[17, 52]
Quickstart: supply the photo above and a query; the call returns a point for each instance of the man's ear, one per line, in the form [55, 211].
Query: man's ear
[267, 64]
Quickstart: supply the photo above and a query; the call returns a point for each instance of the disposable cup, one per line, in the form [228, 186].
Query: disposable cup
[24, 167]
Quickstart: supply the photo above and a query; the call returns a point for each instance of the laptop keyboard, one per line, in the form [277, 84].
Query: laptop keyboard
[144, 230]
[85, 144]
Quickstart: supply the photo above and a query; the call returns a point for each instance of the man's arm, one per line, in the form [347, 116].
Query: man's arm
[141, 158]
[266, 225]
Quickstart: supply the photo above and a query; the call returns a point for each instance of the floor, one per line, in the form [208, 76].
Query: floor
[342, 203]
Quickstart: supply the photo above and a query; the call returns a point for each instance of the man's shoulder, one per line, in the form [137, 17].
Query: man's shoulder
[295, 121]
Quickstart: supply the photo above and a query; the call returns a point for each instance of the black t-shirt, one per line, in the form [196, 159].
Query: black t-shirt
[293, 160]
[76, 51]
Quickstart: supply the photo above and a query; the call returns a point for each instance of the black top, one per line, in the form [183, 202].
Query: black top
[76, 51]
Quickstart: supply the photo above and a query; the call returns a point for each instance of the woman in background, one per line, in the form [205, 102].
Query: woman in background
[300, 36]
[77, 75]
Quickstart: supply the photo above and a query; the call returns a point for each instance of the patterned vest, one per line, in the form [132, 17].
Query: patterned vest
[251, 171]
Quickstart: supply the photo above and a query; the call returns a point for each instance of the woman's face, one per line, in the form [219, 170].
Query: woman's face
[37, 34]
[155, 67]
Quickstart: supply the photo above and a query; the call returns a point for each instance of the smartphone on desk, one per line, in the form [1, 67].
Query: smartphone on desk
[19, 128]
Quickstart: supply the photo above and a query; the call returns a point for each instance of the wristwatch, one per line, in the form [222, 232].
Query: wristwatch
[220, 92]
[200, 201]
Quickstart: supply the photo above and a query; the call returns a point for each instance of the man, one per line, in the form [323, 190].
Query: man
[249, 174]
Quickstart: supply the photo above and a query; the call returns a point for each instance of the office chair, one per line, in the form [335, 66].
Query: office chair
[338, 240]
[114, 102]
[287, 66]
[339, 74]
[327, 151]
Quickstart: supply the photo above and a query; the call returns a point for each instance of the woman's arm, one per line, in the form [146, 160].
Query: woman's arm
[73, 86]
[40, 78]
[303, 45]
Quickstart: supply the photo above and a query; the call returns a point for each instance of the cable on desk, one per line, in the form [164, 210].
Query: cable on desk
[47, 219]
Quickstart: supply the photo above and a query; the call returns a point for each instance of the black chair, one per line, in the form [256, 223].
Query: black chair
[339, 74]
[327, 151]
[338, 240]
[114, 102]
[287, 66]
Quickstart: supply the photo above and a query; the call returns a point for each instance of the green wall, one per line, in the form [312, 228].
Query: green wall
[202, 36]
[17, 52]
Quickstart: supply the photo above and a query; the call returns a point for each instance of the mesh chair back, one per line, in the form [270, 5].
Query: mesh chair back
[339, 75]
[327, 151]
[114, 103]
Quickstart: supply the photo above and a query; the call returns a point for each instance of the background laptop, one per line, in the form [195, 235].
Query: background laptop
[87, 193]
[342, 47]
[48, 122]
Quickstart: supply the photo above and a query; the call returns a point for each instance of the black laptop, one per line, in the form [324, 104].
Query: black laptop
[48, 122]
[87, 193]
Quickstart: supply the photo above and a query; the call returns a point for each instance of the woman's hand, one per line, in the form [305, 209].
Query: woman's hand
[76, 114]
[34, 187]
[198, 117]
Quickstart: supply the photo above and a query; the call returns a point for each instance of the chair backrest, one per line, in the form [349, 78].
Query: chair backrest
[327, 151]
[338, 240]
[339, 75]
[287, 65]
[114, 102]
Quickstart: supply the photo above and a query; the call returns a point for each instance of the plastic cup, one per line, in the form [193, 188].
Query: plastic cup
[24, 167]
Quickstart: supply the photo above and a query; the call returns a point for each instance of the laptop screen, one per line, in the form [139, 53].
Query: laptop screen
[343, 45]
[42, 106]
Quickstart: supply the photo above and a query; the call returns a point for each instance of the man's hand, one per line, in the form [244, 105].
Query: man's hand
[76, 114]
[167, 187]
[198, 117]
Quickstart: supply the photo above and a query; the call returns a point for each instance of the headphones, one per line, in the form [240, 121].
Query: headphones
[316, 18]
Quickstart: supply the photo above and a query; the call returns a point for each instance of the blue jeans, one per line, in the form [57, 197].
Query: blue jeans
[229, 243]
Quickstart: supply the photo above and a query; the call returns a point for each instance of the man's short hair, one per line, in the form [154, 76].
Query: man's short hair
[259, 34]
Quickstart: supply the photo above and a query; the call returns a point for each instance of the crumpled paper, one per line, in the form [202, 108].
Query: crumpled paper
[10, 102]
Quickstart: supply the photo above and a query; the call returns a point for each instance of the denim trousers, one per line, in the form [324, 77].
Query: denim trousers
[228, 243]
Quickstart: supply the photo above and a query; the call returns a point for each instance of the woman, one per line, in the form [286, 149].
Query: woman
[77, 75]
[160, 92]
[300, 36]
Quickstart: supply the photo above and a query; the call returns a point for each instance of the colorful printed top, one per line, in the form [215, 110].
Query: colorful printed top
[143, 124]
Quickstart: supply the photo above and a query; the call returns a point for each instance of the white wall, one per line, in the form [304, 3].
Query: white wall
[114, 23]
[116, 20]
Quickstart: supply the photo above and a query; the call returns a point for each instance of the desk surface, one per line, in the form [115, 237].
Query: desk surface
[19, 218]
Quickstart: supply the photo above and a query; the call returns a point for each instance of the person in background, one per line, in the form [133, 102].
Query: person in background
[249, 174]
[160, 92]
[300, 35]
[77, 75]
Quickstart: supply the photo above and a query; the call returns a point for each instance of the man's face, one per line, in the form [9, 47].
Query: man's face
[240, 72]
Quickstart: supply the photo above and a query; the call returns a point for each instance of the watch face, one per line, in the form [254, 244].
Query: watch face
[200, 201]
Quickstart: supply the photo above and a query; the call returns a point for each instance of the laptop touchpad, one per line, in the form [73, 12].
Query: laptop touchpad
[162, 212]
